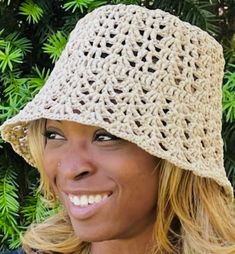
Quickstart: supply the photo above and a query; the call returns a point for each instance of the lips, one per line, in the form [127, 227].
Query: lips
[85, 205]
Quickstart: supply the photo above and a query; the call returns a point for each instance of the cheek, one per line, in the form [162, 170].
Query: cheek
[136, 198]
[142, 189]
[50, 165]
[143, 182]
[141, 170]
[136, 178]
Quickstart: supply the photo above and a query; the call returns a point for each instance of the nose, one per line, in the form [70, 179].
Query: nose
[76, 163]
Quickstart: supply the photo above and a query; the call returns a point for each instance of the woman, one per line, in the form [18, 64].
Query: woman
[126, 136]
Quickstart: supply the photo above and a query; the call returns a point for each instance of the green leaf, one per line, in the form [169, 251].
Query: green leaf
[229, 49]
[9, 204]
[13, 106]
[36, 210]
[10, 56]
[77, 4]
[229, 95]
[36, 82]
[33, 11]
[15, 242]
[96, 4]
[126, 1]
[21, 90]
[55, 45]
[2, 43]
[196, 12]
[20, 43]
[14, 86]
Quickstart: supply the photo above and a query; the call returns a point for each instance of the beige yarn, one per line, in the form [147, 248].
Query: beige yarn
[143, 75]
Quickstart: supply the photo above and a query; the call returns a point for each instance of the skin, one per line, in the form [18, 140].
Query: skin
[82, 159]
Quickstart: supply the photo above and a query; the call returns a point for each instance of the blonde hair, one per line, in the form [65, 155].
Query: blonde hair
[193, 215]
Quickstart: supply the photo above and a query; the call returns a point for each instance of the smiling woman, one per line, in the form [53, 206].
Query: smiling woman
[112, 174]
[126, 136]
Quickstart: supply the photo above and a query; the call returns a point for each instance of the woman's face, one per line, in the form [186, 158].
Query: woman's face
[107, 185]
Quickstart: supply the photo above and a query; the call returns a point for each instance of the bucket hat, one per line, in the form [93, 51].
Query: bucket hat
[144, 76]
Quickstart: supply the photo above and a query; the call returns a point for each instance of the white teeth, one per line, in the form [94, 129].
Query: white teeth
[76, 200]
[98, 198]
[85, 200]
[91, 200]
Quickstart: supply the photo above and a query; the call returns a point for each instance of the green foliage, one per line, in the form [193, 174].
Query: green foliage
[9, 205]
[229, 126]
[229, 49]
[33, 11]
[90, 5]
[229, 146]
[199, 13]
[32, 37]
[12, 50]
[20, 90]
[23, 44]
[11, 108]
[55, 45]
[9, 56]
[35, 209]
[229, 95]
[138, 2]
[37, 81]
[77, 5]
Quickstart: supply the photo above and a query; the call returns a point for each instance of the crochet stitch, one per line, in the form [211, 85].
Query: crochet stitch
[143, 75]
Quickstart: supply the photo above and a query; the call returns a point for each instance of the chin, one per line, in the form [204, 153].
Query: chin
[91, 233]
[92, 237]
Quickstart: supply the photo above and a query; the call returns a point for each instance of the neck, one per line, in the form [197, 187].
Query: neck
[139, 244]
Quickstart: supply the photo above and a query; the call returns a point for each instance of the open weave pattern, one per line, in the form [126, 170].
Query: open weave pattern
[143, 75]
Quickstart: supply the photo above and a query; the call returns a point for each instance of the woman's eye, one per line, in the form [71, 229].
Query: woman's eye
[52, 135]
[105, 137]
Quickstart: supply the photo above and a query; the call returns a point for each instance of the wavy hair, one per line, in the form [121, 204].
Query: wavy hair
[193, 214]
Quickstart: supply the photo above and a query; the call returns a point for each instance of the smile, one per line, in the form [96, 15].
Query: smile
[85, 200]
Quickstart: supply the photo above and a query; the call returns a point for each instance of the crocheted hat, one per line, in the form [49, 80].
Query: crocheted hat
[144, 76]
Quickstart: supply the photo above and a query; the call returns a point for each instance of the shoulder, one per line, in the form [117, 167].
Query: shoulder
[18, 251]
